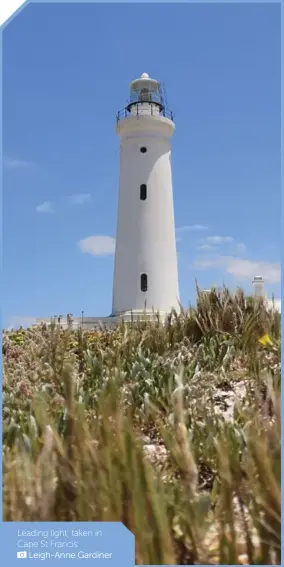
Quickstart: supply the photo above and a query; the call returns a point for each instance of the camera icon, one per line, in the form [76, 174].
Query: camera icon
[22, 554]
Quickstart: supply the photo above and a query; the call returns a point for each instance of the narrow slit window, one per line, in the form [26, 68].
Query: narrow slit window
[143, 192]
[144, 282]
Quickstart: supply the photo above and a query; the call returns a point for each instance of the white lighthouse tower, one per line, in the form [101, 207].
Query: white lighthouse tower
[145, 271]
[258, 286]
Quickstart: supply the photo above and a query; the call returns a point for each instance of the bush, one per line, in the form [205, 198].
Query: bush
[173, 429]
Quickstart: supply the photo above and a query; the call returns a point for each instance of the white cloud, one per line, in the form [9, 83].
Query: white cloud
[241, 247]
[191, 227]
[219, 239]
[97, 245]
[247, 269]
[211, 243]
[79, 198]
[45, 208]
[206, 247]
[243, 269]
[12, 163]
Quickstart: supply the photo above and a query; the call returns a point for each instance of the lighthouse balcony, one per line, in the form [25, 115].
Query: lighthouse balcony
[144, 109]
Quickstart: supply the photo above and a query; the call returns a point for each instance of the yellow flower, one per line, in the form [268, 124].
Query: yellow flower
[265, 340]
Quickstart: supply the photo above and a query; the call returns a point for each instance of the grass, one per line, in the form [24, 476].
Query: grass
[136, 425]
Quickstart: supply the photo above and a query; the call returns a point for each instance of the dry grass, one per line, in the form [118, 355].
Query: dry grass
[78, 406]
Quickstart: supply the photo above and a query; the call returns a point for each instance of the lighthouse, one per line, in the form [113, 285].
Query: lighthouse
[258, 286]
[145, 267]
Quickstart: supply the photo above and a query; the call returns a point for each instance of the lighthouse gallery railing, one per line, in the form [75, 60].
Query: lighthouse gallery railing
[127, 111]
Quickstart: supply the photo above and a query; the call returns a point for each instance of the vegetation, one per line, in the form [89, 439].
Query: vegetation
[173, 429]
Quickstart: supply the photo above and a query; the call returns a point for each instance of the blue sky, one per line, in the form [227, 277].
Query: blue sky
[66, 73]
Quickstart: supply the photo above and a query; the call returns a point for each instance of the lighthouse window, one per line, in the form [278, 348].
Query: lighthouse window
[143, 150]
[143, 192]
[144, 282]
[145, 95]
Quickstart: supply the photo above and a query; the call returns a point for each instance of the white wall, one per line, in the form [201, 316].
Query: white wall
[87, 323]
[145, 241]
